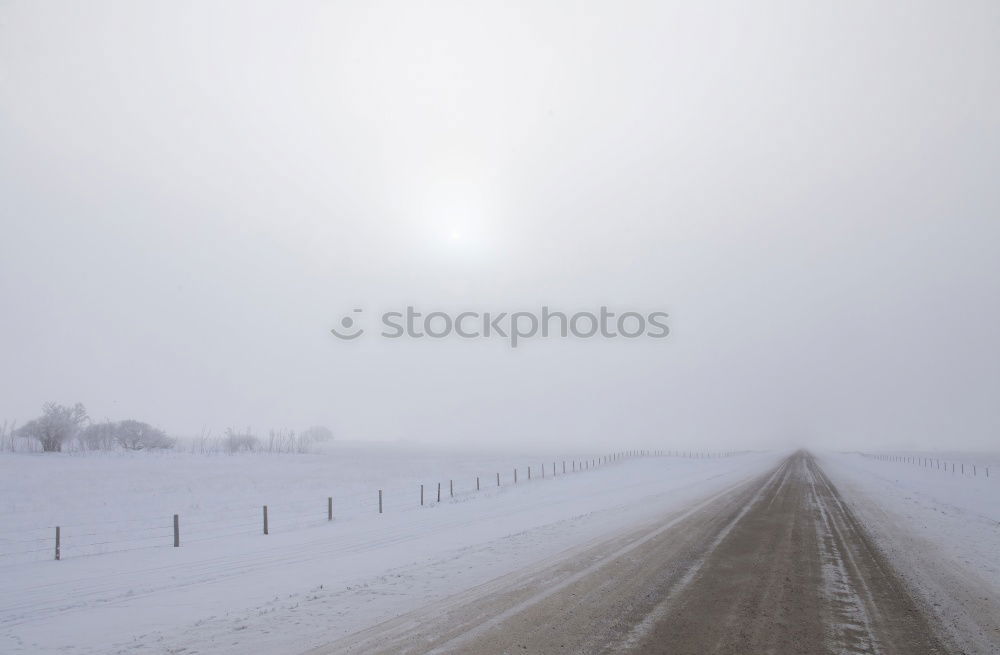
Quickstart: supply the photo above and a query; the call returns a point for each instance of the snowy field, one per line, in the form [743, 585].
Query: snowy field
[941, 529]
[122, 587]
[111, 502]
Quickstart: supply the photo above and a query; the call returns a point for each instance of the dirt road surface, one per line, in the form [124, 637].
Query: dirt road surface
[775, 564]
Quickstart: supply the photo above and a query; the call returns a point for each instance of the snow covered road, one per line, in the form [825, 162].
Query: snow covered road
[773, 564]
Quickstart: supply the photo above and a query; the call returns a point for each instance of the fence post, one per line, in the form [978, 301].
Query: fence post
[329, 508]
[265, 519]
[439, 492]
[57, 542]
[379, 501]
[451, 488]
[421, 495]
[529, 472]
[477, 483]
[515, 476]
[498, 479]
[177, 531]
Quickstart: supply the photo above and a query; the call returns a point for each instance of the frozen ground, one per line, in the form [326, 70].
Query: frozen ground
[940, 529]
[228, 588]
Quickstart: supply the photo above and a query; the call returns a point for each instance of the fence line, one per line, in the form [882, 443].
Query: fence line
[59, 540]
[974, 469]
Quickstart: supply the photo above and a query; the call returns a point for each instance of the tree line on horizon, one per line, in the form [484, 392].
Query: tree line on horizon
[59, 425]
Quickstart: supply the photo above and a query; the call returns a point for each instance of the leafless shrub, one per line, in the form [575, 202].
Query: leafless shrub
[317, 434]
[240, 442]
[7, 436]
[136, 435]
[99, 436]
[128, 434]
[285, 441]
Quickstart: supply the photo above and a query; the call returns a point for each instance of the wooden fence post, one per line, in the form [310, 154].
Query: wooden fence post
[421, 495]
[451, 488]
[498, 479]
[379, 501]
[177, 531]
[439, 492]
[477, 483]
[329, 508]
[57, 543]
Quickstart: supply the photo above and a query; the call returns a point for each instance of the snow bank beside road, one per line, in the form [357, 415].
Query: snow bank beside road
[940, 530]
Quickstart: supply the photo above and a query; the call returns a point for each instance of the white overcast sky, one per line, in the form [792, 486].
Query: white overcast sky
[193, 193]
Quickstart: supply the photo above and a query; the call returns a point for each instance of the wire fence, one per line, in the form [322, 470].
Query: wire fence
[86, 538]
[964, 469]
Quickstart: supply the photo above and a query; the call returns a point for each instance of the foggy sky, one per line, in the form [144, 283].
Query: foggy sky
[192, 194]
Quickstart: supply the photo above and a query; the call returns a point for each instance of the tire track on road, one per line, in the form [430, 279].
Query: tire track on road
[774, 564]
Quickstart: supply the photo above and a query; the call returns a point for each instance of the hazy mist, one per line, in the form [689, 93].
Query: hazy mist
[193, 194]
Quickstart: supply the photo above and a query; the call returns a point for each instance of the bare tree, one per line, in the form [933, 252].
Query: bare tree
[317, 434]
[237, 442]
[99, 436]
[57, 425]
[7, 432]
